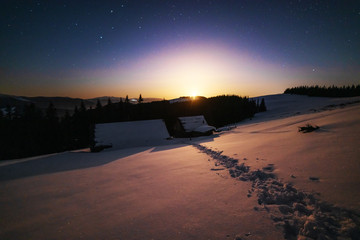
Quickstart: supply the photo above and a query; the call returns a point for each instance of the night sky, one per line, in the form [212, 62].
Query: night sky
[168, 49]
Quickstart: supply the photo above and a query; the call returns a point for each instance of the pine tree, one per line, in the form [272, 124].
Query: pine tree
[9, 111]
[140, 99]
[98, 104]
[31, 113]
[262, 105]
[76, 110]
[50, 113]
[127, 99]
[66, 117]
[82, 106]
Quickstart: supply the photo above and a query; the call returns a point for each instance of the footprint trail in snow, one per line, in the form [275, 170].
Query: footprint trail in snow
[299, 214]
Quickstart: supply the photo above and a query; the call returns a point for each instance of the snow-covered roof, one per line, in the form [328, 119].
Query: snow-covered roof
[131, 134]
[204, 128]
[195, 124]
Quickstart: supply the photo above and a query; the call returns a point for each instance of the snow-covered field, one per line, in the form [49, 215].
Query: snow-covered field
[207, 188]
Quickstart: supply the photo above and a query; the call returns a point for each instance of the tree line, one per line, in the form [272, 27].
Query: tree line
[36, 132]
[331, 91]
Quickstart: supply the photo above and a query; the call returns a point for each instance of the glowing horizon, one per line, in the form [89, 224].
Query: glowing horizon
[201, 69]
[175, 49]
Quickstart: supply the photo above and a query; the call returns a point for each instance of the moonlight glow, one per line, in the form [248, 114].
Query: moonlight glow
[173, 48]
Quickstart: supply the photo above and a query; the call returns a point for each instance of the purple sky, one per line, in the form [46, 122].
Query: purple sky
[173, 48]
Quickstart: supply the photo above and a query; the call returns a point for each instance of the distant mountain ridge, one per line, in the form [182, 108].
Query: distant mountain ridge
[104, 99]
[62, 104]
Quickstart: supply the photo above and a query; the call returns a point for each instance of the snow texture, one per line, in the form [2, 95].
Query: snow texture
[195, 124]
[300, 214]
[181, 99]
[260, 180]
[131, 134]
[287, 105]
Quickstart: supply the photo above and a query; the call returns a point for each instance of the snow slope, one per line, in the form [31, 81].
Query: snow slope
[332, 153]
[286, 105]
[182, 191]
[164, 192]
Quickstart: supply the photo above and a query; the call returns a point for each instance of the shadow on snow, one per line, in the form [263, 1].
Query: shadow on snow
[75, 160]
